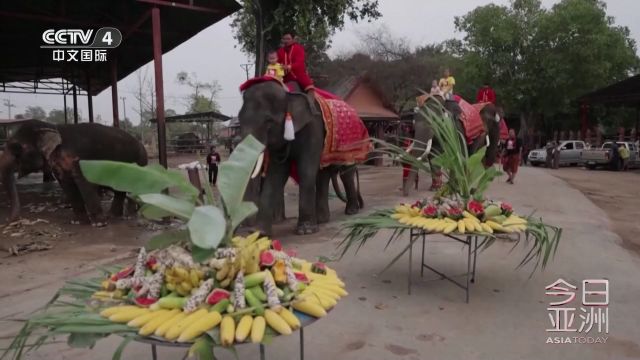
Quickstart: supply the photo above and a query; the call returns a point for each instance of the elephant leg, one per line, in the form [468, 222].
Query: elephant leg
[132, 208]
[307, 220]
[74, 197]
[278, 205]
[90, 196]
[276, 177]
[322, 196]
[348, 177]
[117, 205]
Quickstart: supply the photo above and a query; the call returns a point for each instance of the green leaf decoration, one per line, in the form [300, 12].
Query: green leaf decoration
[207, 227]
[118, 354]
[82, 340]
[202, 348]
[153, 213]
[243, 211]
[234, 177]
[177, 207]
[133, 178]
[167, 238]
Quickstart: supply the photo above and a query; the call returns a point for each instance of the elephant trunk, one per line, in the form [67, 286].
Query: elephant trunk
[7, 165]
[336, 187]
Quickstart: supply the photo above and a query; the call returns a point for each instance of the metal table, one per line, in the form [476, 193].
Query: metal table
[156, 342]
[471, 241]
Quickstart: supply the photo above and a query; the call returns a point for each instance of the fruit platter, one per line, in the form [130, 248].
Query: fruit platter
[199, 285]
[242, 290]
[459, 207]
[448, 216]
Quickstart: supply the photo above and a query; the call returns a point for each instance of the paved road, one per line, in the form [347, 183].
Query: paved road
[506, 318]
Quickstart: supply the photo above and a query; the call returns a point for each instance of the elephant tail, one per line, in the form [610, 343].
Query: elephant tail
[360, 199]
[336, 187]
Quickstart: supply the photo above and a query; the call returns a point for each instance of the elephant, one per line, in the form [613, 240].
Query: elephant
[40, 146]
[424, 134]
[263, 116]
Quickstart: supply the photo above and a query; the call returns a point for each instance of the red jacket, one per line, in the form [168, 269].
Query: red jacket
[293, 55]
[486, 94]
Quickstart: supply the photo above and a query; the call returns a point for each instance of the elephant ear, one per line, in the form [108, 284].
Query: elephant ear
[48, 141]
[300, 109]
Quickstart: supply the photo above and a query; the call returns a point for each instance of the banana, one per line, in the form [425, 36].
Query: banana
[461, 226]
[222, 273]
[177, 328]
[257, 329]
[329, 287]
[290, 318]
[114, 309]
[160, 318]
[195, 279]
[469, 215]
[486, 228]
[309, 308]
[496, 226]
[244, 328]
[227, 330]
[277, 322]
[514, 220]
[181, 272]
[324, 278]
[127, 315]
[198, 327]
[325, 301]
[164, 327]
[145, 318]
[450, 227]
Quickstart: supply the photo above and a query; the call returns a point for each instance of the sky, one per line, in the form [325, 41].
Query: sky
[213, 54]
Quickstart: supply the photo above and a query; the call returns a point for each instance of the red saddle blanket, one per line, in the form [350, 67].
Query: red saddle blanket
[471, 120]
[347, 140]
[249, 83]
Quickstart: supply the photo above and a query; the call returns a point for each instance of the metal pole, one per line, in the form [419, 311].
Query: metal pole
[89, 99]
[157, 64]
[301, 343]
[124, 108]
[114, 91]
[411, 235]
[75, 105]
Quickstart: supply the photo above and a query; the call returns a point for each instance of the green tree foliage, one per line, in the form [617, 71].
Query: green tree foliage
[539, 61]
[203, 96]
[56, 116]
[259, 25]
[35, 112]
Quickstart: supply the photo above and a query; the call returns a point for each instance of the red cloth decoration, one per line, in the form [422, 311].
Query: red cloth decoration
[471, 120]
[486, 94]
[347, 139]
[258, 80]
[293, 55]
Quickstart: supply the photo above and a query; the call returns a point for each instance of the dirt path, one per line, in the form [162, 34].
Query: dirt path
[616, 193]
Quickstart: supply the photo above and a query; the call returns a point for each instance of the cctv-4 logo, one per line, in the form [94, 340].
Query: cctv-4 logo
[81, 45]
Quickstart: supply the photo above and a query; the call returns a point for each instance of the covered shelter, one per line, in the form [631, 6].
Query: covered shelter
[371, 104]
[207, 118]
[149, 28]
[623, 93]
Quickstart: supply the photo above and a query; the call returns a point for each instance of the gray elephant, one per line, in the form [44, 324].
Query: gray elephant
[38, 146]
[263, 116]
[424, 135]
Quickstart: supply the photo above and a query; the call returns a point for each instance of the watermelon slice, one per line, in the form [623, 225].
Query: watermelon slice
[217, 295]
[276, 245]
[300, 276]
[267, 258]
[123, 274]
[144, 301]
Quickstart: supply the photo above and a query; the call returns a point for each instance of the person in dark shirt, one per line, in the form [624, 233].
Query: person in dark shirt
[513, 153]
[213, 159]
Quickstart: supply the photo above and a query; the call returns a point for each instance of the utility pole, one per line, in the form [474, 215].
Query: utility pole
[124, 107]
[246, 68]
[9, 105]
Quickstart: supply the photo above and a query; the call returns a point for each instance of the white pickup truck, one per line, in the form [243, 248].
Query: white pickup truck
[569, 153]
[601, 157]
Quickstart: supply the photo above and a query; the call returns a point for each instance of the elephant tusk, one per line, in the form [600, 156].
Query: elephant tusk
[488, 140]
[409, 148]
[497, 118]
[427, 151]
[258, 167]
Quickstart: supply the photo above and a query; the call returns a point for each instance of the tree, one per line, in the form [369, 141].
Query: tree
[259, 25]
[203, 97]
[56, 116]
[539, 61]
[35, 112]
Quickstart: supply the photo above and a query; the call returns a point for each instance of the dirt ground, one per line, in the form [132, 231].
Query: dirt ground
[614, 192]
[378, 320]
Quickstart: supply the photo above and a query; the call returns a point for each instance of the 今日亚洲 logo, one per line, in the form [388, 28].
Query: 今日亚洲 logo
[592, 314]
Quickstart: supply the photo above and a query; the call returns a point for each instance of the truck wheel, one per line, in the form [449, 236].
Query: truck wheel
[591, 167]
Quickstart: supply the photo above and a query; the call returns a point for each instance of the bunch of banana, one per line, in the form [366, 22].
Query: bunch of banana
[183, 280]
[510, 224]
[251, 327]
[227, 273]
